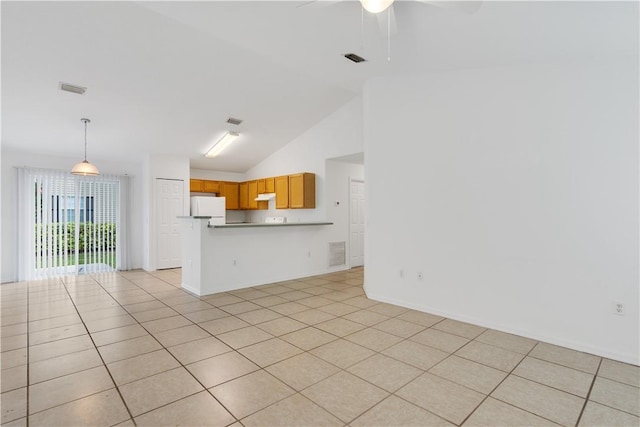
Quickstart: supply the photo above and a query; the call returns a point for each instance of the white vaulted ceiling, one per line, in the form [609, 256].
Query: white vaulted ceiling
[163, 77]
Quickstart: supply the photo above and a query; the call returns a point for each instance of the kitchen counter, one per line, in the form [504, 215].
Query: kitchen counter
[218, 258]
[265, 224]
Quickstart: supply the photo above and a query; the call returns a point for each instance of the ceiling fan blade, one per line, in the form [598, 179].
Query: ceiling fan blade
[469, 7]
[387, 19]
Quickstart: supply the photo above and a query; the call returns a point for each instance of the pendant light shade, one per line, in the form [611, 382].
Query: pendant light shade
[84, 167]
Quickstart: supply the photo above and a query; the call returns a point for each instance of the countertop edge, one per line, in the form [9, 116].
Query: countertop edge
[286, 224]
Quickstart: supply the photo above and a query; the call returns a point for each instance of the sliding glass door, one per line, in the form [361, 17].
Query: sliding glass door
[69, 224]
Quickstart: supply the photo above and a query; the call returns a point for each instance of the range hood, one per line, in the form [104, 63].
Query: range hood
[265, 196]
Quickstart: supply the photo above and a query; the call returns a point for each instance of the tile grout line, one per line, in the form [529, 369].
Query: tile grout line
[499, 384]
[27, 391]
[313, 326]
[535, 382]
[586, 399]
[96, 349]
[175, 358]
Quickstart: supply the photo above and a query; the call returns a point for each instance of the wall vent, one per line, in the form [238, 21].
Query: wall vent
[337, 254]
[67, 87]
[234, 121]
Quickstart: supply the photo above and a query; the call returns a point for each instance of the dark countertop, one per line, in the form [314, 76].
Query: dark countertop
[264, 224]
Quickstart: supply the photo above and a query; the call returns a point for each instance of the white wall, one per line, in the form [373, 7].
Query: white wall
[167, 167]
[216, 175]
[13, 159]
[521, 186]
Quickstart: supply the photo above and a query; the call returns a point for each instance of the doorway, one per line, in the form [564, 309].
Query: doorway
[356, 222]
[169, 196]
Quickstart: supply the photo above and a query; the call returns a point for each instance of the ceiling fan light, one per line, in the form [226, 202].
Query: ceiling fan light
[85, 168]
[376, 6]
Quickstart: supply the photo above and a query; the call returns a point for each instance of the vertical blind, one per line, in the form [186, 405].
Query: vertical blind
[70, 224]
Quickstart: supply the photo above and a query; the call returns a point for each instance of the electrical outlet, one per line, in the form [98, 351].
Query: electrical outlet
[401, 272]
[420, 276]
[618, 308]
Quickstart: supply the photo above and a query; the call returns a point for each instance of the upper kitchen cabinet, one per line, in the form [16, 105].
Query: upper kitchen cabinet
[204, 186]
[244, 195]
[281, 184]
[196, 185]
[211, 186]
[270, 185]
[230, 191]
[302, 191]
[266, 185]
[253, 191]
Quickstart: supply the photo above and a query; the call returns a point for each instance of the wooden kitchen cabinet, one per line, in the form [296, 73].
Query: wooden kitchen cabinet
[262, 186]
[270, 185]
[196, 185]
[244, 195]
[230, 190]
[302, 191]
[211, 186]
[254, 190]
[253, 193]
[281, 184]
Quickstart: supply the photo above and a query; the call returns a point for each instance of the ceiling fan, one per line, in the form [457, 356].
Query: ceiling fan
[377, 6]
[387, 21]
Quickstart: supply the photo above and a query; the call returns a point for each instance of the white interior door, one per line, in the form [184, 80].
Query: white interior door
[169, 205]
[356, 223]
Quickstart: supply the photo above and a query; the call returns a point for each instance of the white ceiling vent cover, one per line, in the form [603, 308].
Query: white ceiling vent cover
[337, 254]
[67, 87]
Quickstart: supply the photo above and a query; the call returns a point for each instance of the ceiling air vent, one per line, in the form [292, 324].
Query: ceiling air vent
[73, 88]
[234, 121]
[353, 57]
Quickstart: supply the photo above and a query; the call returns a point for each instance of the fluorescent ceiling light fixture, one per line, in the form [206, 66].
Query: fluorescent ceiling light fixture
[224, 142]
[376, 6]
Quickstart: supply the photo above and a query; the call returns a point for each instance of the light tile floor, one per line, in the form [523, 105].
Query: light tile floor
[132, 348]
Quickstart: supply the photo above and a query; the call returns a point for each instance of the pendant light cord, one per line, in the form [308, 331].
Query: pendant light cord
[389, 34]
[85, 137]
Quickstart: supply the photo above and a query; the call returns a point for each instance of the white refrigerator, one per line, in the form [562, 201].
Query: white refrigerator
[209, 206]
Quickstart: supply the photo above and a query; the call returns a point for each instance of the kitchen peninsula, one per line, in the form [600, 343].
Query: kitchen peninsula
[217, 258]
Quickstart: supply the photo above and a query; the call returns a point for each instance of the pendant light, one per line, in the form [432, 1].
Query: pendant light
[84, 167]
